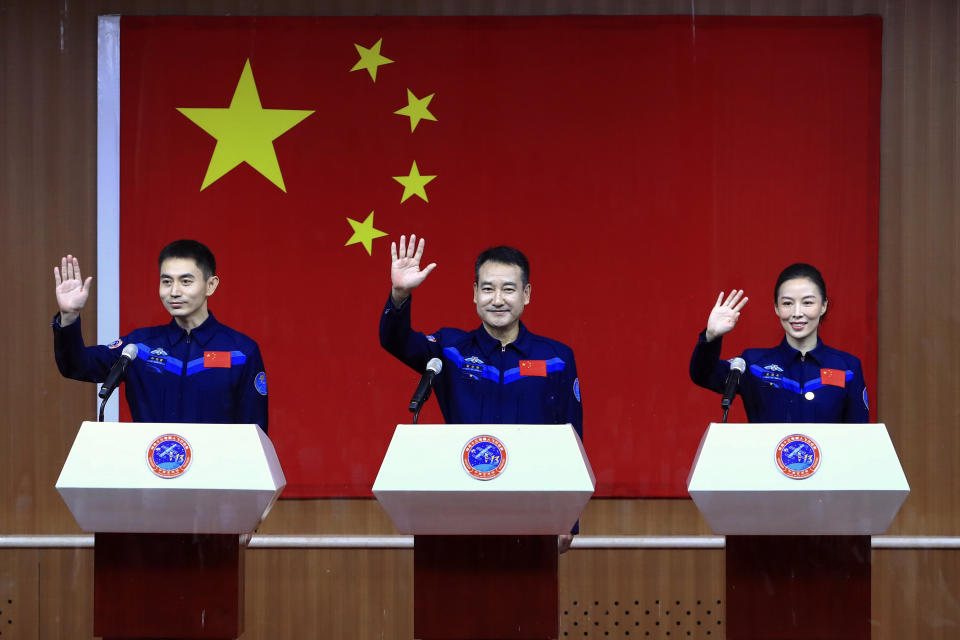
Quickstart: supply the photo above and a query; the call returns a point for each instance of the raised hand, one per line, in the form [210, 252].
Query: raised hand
[723, 318]
[72, 290]
[405, 272]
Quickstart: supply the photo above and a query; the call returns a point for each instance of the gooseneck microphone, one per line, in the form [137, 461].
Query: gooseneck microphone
[422, 393]
[115, 377]
[737, 367]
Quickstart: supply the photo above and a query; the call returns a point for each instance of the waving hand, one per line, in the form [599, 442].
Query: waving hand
[723, 318]
[72, 290]
[405, 272]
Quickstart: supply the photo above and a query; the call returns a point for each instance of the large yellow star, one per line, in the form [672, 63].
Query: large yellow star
[245, 132]
[416, 109]
[364, 233]
[370, 59]
[414, 184]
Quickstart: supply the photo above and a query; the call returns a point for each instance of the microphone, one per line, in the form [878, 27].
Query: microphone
[115, 376]
[423, 389]
[737, 366]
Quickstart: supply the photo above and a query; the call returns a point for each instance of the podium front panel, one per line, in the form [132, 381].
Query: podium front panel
[857, 488]
[232, 480]
[543, 486]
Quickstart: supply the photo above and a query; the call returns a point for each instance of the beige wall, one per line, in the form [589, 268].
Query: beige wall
[48, 207]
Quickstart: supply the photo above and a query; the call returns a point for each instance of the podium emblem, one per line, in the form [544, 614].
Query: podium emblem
[169, 455]
[484, 457]
[798, 456]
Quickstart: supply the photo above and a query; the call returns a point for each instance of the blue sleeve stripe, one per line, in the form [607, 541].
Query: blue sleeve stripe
[454, 356]
[195, 366]
[791, 385]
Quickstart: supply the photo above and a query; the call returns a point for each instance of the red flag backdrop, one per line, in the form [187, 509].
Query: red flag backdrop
[642, 163]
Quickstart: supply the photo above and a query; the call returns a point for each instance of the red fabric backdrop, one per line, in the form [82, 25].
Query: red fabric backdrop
[642, 163]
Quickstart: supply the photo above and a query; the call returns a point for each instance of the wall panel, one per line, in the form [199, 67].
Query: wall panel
[19, 606]
[47, 208]
[366, 593]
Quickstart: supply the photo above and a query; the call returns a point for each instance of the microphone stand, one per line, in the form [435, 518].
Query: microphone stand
[416, 412]
[103, 403]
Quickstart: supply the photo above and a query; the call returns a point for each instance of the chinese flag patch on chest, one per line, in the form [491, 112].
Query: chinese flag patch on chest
[216, 359]
[533, 368]
[833, 377]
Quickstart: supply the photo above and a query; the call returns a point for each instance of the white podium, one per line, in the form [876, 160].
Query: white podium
[167, 503]
[233, 480]
[857, 489]
[798, 504]
[545, 484]
[485, 504]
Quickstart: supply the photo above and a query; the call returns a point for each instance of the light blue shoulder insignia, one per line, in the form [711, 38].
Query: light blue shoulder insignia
[260, 383]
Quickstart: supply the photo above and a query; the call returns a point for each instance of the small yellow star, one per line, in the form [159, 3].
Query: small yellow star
[416, 109]
[414, 184]
[364, 233]
[245, 132]
[370, 59]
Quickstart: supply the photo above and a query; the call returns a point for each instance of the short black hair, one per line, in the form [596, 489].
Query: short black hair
[503, 255]
[801, 270]
[196, 251]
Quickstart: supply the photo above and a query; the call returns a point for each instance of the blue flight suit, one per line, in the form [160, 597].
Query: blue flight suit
[781, 384]
[484, 383]
[177, 376]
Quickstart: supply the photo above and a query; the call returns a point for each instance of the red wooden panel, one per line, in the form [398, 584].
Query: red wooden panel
[167, 586]
[484, 587]
[798, 587]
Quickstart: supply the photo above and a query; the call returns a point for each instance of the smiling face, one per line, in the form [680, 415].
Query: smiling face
[800, 305]
[184, 291]
[500, 295]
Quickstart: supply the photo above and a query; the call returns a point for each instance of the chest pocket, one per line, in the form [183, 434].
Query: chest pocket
[537, 387]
